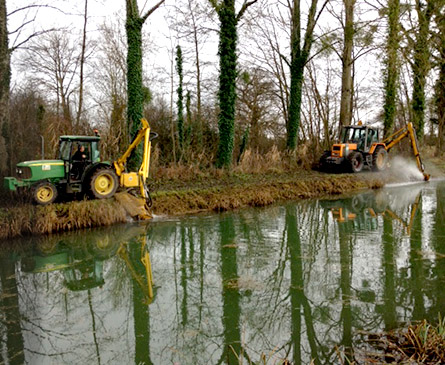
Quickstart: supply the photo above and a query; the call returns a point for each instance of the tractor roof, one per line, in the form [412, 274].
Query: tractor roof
[359, 127]
[80, 138]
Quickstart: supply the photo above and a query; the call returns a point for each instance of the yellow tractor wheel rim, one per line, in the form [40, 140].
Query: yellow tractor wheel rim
[45, 194]
[380, 160]
[104, 184]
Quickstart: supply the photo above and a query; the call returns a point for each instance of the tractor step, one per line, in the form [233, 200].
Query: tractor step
[74, 188]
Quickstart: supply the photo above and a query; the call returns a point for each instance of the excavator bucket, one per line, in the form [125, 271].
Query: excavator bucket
[136, 207]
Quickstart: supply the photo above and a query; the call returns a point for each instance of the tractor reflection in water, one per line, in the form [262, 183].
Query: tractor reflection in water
[81, 258]
[361, 212]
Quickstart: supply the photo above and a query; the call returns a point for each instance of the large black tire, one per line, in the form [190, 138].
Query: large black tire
[355, 161]
[44, 193]
[379, 159]
[103, 183]
[322, 163]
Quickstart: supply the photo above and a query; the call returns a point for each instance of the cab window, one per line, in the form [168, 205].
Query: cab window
[65, 150]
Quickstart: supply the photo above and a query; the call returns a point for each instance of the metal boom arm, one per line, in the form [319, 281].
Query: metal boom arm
[119, 165]
[396, 137]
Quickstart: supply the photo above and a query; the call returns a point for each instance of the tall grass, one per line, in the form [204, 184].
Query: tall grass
[422, 342]
[29, 219]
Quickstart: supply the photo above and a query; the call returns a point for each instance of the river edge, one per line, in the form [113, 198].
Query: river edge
[217, 193]
[191, 192]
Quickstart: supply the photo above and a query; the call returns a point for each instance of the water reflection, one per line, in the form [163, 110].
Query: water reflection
[305, 282]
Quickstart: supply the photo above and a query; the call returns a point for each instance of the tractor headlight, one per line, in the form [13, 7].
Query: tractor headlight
[18, 171]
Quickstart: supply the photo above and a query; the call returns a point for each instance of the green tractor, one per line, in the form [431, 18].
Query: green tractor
[78, 169]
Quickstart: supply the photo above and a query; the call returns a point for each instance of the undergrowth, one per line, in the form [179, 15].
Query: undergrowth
[423, 343]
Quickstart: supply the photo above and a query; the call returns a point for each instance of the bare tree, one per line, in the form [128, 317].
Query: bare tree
[52, 62]
[82, 64]
[256, 106]
[110, 80]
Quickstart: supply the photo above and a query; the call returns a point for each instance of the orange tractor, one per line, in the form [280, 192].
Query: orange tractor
[361, 146]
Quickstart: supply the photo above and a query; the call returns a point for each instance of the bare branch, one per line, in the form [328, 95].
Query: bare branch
[149, 12]
[34, 6]
[244, 8]
[36, 34]
[21, 26]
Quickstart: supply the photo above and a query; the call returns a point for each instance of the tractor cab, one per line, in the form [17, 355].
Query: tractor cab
[362, 136]
[78, 153]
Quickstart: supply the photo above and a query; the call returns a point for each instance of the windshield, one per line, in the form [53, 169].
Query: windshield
[353, 135]
[64, 150]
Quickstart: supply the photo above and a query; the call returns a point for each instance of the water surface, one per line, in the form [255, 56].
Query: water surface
[300, 281]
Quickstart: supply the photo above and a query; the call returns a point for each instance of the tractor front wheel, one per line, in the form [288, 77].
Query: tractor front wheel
[44, 193]
[355, 161]
[103, 184]
[379, 159]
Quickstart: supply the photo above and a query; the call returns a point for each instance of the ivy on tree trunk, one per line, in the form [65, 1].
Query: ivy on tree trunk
[421, 65]
[228, 37]
[5, 79]
[135, 89]
[391, 72]
[440, 84]
[299, 57]
[180, 101]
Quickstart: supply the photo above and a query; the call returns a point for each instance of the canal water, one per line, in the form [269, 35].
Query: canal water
[313, 280]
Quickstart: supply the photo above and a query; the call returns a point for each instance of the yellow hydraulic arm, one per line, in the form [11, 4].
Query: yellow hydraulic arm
[396, 137]
[136, 179]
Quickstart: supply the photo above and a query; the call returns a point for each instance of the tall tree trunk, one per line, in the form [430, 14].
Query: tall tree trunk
[299, 58]
[180, 100]
[227, 82]
[440, 84]
[82, 63]
[391, 66]
[228, 38]
[198, 77]
[135, 93]
[5, 79]
[346, 78]
[421, 65]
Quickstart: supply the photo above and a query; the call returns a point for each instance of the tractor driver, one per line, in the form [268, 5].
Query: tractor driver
[79, 158]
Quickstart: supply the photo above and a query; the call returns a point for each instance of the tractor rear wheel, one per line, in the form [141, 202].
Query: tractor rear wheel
[104, 183]
[355, 161]
[379, 159]
[44, 193]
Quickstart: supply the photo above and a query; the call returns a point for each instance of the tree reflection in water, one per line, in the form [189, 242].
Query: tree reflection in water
[301, 281]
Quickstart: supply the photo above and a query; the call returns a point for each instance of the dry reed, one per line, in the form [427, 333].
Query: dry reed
[28, 219]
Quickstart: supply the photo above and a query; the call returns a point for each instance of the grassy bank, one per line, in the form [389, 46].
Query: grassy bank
[183, 193]
[239, 191]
